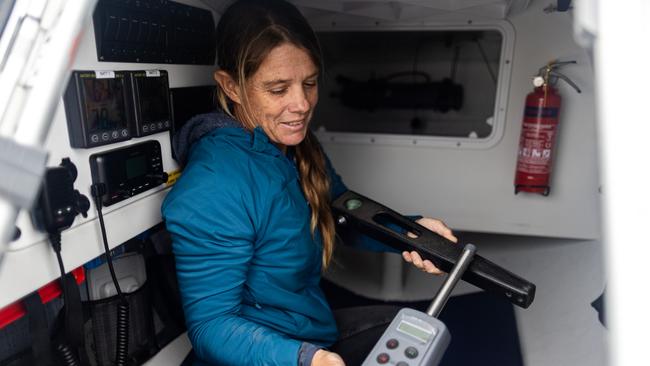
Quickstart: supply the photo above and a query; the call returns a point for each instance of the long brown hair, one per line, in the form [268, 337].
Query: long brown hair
[246, 34]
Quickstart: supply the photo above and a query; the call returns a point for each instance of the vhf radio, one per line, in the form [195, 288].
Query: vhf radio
[128, 171]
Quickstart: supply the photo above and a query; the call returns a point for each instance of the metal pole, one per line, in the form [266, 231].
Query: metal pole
[450, 282]
[40, 84]
[8, 214]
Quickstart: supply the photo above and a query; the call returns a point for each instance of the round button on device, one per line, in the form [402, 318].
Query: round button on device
[411, 352]
[383, 358]
[392, 343]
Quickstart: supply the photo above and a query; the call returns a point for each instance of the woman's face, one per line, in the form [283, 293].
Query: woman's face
[283, 93]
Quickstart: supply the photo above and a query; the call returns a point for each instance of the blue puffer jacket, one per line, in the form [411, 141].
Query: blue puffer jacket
[248, 266]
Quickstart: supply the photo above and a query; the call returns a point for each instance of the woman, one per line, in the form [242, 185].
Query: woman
[250, 218]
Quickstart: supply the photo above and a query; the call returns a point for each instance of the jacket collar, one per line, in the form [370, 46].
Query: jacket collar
[262, 143]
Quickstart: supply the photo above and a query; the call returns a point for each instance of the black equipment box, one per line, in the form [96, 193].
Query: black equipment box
[128, 171]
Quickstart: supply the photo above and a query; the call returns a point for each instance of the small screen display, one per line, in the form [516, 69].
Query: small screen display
[136, 167]
[414, 331]
[154, 99]
[104, 104]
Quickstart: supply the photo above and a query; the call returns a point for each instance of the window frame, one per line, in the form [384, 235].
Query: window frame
[501, 98]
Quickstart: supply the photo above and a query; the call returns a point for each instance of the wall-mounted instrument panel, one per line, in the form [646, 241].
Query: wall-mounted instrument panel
[150, 102]
[104, 107]
[97, 108]
[154, 31]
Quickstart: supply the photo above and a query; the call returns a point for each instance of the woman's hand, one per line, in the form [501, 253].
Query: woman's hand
[438, 227]
[326, 358]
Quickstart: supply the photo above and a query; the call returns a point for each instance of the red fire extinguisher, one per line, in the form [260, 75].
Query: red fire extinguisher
[539, 131]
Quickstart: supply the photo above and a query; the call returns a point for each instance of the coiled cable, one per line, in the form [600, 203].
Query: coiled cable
[122, 338]
[67, 355]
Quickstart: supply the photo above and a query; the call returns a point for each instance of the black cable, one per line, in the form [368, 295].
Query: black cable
[55, 240]
[416, 122]
[485, 59]
[68, 356]
[66, 353]
[454, 63]
[122, 343]
[122, 339]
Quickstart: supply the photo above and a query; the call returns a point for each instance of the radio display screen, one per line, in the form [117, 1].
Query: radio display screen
[104, 104]
[136, 167]
[154, 99]
[414, 331]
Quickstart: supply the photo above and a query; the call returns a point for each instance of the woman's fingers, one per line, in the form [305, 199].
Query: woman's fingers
[431, 268]
[407, 256]
[417, 261]
[439, 227]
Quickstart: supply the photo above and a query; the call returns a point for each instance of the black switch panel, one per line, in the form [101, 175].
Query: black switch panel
[154, 31]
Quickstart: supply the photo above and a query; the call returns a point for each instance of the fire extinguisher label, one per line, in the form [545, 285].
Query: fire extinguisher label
[535, 112]
[535, 148]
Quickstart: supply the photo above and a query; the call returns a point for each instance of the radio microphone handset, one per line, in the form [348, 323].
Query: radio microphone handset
[57, 206]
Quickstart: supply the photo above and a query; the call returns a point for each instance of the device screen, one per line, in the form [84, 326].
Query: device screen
[414, 331]
[136, 167]
[104, 103]
[154, 101]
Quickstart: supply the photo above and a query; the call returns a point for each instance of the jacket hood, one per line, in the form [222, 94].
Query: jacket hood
[197, 127]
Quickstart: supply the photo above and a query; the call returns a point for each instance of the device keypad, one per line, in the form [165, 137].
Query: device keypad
[397, 351]
[383, 358]
[392, 343]
[411, 352]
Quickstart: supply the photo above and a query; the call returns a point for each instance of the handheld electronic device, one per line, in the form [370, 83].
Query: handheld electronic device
[375, 219]
[150, 94]
[417, 338]
[97, 108]
[128, 171]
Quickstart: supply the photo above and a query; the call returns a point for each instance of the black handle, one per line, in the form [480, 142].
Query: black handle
[380, 223]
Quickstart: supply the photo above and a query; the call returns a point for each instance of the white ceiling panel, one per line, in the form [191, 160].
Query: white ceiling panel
[411, 10]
